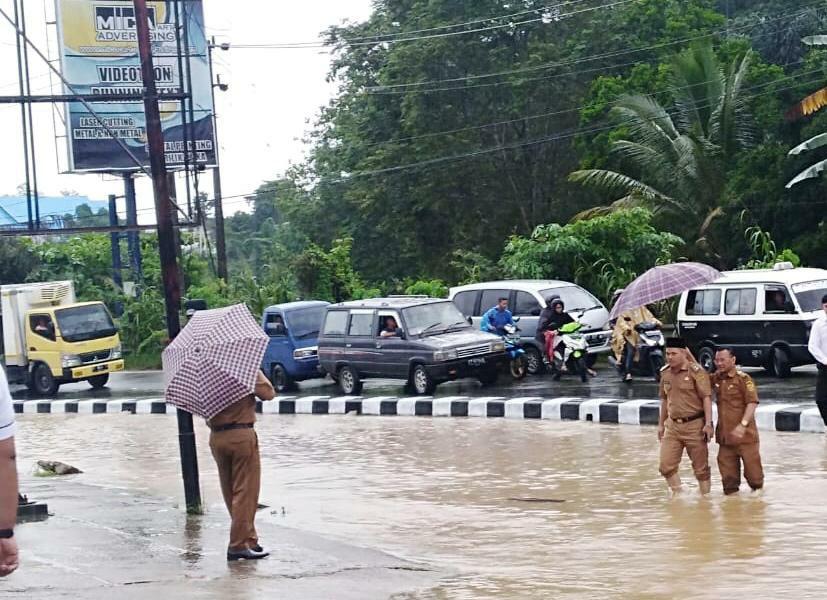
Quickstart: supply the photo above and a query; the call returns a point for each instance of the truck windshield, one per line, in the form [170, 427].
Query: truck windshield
[809, 294]
[81, 323]
[433, 318]
[306, 322]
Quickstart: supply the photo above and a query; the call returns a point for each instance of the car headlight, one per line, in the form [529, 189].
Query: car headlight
[308, 352]
[70, 360]
[117, 352]
[443, 355]
[497, 346]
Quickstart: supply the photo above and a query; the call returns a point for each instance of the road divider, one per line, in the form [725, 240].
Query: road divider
[769, 417]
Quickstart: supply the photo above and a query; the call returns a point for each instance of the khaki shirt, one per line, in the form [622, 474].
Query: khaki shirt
[243, 411]
[684, 390]
[733, 392]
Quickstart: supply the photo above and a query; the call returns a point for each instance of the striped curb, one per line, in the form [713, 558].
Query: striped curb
[769, 417]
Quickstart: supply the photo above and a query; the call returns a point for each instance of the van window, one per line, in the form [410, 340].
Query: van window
[574, 297]
[703, 302]
[776, 299]
[809, 294]
[361, 324]
[336, 322]
[489, 299]
[740, 302]
[526, 305]
[466, 302]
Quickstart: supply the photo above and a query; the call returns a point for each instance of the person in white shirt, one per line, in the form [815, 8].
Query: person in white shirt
[8, 481]
[818, 348]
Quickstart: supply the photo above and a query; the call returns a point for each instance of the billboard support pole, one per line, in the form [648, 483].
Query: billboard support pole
[115, 241]
[35, 194]
[20, 43]
[166, 245]
[133, 239]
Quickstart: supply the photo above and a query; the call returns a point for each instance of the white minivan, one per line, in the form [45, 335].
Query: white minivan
[526, 298]
[764, 315]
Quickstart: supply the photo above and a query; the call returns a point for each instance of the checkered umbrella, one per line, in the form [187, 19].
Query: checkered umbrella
[214, 360]
[663, 282]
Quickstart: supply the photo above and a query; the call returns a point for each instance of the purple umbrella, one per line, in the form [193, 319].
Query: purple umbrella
[214, 361]
[663, 282]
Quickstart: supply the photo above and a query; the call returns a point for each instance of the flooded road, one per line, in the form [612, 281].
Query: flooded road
[461, 495]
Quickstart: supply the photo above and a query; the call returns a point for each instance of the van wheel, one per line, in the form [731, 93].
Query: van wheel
[99, 381]
[422, 383]
[534, 360]
[349, 382]
[780, 362]
[281, 380]
[43, 383]
[706, 356]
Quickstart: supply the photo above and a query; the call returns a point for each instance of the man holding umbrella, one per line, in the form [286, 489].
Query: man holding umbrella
[685, 416]
[212, 369]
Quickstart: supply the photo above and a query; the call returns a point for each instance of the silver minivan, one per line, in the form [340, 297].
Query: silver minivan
[526, 299]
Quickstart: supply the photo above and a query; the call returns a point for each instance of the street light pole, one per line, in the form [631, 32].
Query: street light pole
[220, 245]
[166, 244]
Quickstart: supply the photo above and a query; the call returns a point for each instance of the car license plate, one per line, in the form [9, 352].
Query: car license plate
[476, 362]
[99, 368]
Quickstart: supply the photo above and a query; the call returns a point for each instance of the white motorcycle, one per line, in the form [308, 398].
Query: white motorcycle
[570, 351]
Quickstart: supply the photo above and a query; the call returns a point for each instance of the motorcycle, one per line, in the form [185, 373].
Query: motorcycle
[650, 352]
[518, 365]
[571, 351]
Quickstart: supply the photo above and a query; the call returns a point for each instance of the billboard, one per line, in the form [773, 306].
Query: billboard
[99, 56]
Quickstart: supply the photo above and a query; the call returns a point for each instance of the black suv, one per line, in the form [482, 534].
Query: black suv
[424, 341]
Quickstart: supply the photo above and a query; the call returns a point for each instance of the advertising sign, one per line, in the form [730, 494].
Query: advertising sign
[99, 56]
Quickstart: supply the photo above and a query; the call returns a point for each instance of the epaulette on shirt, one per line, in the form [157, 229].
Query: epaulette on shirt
[695, 368]
[742, 375]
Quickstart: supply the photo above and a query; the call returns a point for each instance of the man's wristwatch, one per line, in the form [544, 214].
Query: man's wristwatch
[6, 534]
[744, 423]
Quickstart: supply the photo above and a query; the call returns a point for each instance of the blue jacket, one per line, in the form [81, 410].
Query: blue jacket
[495, 320]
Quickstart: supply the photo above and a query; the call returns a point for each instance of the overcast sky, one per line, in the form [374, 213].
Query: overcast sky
[273, 96]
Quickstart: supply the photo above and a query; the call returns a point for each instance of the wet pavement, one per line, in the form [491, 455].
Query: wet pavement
[410, 509]
[797, 389]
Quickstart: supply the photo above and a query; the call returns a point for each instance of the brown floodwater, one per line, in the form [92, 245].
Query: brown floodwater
[509, 509]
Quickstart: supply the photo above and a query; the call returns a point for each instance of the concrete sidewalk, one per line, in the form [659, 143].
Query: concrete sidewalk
[104, 543]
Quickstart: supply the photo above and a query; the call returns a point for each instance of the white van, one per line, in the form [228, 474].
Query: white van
[526, 298]
[765, 315]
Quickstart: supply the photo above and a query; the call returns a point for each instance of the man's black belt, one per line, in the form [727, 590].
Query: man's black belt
[231, 426]
[682, 420]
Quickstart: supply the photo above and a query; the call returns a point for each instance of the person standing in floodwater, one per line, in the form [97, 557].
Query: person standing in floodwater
[736, 434]
[685, 416]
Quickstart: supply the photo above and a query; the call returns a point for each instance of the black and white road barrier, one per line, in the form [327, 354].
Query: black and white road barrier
[769, 417]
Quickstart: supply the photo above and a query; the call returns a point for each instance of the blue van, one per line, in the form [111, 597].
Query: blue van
[293, 353]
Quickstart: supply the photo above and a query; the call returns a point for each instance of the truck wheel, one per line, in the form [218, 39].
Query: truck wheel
[43, 382]
[519, 366]
[422, 383]
[706, 356]
[98, 381]
[534, 360]
[780, 363]
[281, 380]
[349, 382]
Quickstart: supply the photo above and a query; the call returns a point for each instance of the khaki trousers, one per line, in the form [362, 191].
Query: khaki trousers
[680, 436]
[239, 469]
[729, 465]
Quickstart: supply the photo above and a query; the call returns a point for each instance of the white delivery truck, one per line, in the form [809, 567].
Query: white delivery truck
[49, 338]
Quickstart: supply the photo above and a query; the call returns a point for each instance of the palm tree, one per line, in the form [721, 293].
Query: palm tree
[675, 164]
[809, 105]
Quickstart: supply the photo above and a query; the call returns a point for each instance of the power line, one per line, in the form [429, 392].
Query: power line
[393, 88]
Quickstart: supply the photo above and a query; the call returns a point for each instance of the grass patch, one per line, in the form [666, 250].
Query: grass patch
[142, 362]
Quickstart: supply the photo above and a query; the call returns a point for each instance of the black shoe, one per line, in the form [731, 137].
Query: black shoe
[257, 548]
[247, 554]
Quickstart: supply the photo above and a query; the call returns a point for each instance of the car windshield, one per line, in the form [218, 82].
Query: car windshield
[809, 294]
[306, 322]
[433, 318]
[81, 323]
[573, 297]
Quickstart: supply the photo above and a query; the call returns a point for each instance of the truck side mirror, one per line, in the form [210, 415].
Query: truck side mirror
[470, 320]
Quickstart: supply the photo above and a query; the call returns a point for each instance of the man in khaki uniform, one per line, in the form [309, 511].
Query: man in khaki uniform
[736, 434]
[234, 446]
[685, 416]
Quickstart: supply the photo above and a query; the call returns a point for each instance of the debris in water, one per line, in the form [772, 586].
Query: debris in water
[47, 468]
[538, 500]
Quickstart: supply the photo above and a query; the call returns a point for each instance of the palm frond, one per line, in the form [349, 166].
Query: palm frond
[613, 182]
[809, 173]
[812, 103]
[811, 144]
[713, 214]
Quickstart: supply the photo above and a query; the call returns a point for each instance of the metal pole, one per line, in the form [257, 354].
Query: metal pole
[133, 238]
[166, 244]
[115, 240]
[20, 43]
[35, 193]
[220, 245]
[179, 32]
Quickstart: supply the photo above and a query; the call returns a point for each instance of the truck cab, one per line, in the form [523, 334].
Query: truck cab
[50, 339]
[292, 354]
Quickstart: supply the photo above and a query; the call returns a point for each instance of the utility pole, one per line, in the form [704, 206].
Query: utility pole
[115, 241]
[166, 244]
[133, 239]
[220, 245]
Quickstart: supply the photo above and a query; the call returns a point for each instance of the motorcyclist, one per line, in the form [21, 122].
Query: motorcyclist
[497, 317]
[625, 338]
[555, 321]
[544, 334]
